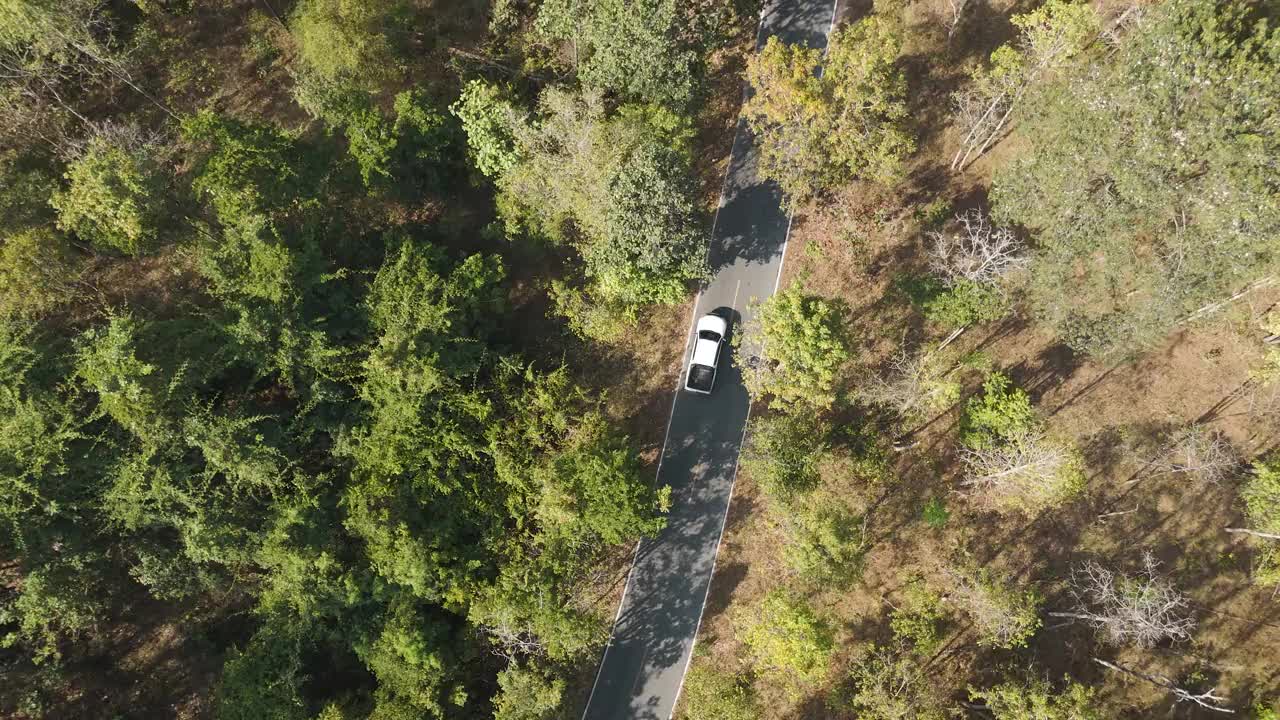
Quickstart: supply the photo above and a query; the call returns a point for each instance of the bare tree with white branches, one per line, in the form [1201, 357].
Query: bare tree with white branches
[957, 15]
[1005, 615]
[914, 385]
[1200, 454]
[975, 250]
[985, 108]
[1207, 699]
[1142, 609]
[1029, 473]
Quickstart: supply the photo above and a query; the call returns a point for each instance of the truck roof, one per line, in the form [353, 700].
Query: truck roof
[704, 352]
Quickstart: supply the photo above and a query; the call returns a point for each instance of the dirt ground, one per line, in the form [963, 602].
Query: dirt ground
[852, 248]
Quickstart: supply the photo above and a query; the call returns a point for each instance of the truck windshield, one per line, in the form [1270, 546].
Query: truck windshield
[711, 335]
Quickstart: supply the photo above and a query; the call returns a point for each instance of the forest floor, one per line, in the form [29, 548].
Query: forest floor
[853, 249]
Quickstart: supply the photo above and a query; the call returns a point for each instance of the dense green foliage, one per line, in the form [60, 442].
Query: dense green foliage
[1035, 700]
[792, 349]
[114, 198]
[710, 693]
[38, 270]
[349, 41]
[1150, 183]
[787, 638]
[1261, 495]
[636, 50]
[819, 130]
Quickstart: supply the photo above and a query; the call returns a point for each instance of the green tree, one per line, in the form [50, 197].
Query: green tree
[488, 118]
[350, 41]
[820, 128]
[1004, 615]
[1034, 699]
[620, 190]
[827, 544]
[640, 51]
[784, 453]
[38, 271]
[887, 684]
[918, 618]
[788, 639]
[1261, 494]
[792, 349]
[526, 692]
[711, 693]
[1127, 242]
[115, 196]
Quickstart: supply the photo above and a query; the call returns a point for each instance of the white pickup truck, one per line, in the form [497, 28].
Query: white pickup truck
[701, 376]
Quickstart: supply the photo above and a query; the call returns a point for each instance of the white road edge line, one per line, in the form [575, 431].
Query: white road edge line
[724, 521]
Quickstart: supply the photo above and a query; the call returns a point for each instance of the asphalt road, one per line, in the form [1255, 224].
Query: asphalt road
[644, 665]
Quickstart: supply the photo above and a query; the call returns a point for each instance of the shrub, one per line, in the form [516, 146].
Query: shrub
[957, 305]
[827, 543]
[792, 349]
[1034, 699]
[1002, 412]
[114, 197]
[935, 513]
[783, 453]
[787, 638]
[966, 303]
[1010, 464]
[711, 693]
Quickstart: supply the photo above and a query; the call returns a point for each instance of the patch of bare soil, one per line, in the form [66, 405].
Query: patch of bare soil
[158, 660]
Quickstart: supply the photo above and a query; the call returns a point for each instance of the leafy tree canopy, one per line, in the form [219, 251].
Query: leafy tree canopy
[115, 195]
[1149, 184]
[820, 128]
[793, 349]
